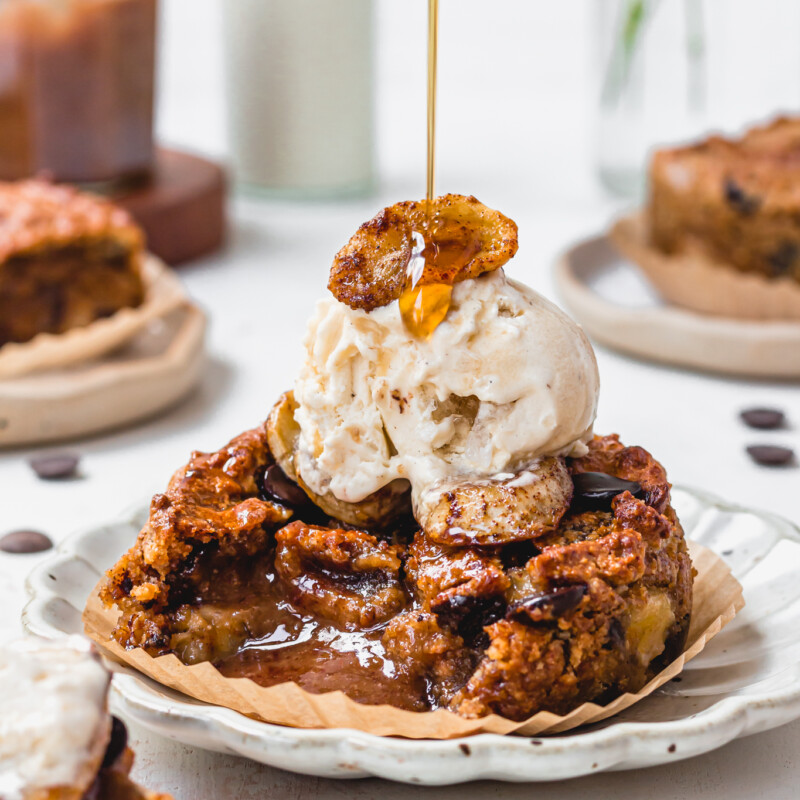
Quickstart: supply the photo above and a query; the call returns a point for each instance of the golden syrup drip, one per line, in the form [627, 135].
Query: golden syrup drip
[436, 258]
[424, 307]
[433, 35]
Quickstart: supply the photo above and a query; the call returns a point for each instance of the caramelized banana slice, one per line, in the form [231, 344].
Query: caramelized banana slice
[347, 577]
[522, 507]
[463, 238]
[378, 510]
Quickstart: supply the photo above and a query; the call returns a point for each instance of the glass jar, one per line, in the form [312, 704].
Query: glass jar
[300, 96]
[76, 88]
[671, 72]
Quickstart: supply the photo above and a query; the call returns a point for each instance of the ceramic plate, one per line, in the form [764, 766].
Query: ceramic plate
[747, 680]
[155, 369]
[616, 305]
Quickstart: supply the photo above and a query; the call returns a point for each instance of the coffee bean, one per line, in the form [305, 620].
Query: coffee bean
[547, 606]
[55, 466]
[594, 491]
[116, 744]
[25, 541]
[763, 418]
[277, 486]
[770, 455]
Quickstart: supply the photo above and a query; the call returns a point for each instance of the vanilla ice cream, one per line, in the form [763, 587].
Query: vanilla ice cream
[54, 725]
[505, 379]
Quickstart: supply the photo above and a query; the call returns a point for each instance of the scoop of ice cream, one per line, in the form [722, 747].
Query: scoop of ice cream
[505, 379]
[54, 726]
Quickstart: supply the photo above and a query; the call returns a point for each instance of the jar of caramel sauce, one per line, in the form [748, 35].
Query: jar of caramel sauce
[76, 88]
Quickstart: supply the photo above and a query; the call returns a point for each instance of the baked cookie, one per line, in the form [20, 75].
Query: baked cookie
[583, 611]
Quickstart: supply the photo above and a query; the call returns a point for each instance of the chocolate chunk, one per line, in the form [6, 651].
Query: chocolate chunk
[55, 466]
[277, 486]
[784, 258]
[117, 743]
[548, 606]
[595, 491]
[468, 614]
[763, 418]
[770, 455]
[25, 541]
[745, 204]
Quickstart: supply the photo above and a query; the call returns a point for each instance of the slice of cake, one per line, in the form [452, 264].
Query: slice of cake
[736, 201]
[66, 259]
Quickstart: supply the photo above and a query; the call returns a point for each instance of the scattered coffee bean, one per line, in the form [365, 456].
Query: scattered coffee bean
[594, 491]
[55, 466]
[25, 542]
[278, 486]
[547, 606]
[763, 418]
[770, 455]
[117, 743]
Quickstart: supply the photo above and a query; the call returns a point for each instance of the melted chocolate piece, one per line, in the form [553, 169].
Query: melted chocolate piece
[745, 204]
[547, 607]
[784, 258]
[55, 466]
[25, 541]
[276, 485]
[117, 743]
[770, 455]
[595, 491]
[763, 418]
[468, 614]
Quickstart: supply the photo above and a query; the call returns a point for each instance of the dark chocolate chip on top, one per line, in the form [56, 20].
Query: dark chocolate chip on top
[595, 491]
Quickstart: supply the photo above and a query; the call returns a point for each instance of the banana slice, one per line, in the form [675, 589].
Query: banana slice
[463, 239]
[519, 507]
[378, 510]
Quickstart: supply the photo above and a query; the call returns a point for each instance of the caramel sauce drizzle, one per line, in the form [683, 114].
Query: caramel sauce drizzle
[425, 301]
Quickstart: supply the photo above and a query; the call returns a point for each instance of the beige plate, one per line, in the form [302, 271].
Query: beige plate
[163, 293]
[156, 368]
[610, 297]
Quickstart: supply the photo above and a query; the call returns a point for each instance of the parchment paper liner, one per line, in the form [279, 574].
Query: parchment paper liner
[163, 293]
[717, 598]
[695, 281]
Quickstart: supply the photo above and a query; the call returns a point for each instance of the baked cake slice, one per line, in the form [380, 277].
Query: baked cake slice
[735, 201]
[67, 258]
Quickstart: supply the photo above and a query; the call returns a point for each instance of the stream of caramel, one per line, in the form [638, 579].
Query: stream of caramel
[424, 306]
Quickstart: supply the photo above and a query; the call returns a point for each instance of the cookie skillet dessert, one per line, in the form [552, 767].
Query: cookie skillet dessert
[57, 739]
[426, 519]
[66, 259]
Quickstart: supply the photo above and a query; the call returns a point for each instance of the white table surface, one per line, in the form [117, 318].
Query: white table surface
[527, 150]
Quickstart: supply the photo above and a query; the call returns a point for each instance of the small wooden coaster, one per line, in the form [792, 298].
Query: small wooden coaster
[181, 207]
[153, 371]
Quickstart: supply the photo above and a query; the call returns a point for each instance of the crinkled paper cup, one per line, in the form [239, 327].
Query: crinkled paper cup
[694, 281]
[163, 293]
[717, 599]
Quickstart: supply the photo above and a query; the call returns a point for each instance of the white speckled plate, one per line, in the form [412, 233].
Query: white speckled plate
[747, 680]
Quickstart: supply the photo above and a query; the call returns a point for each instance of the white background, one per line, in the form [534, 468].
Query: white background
[517, 89]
